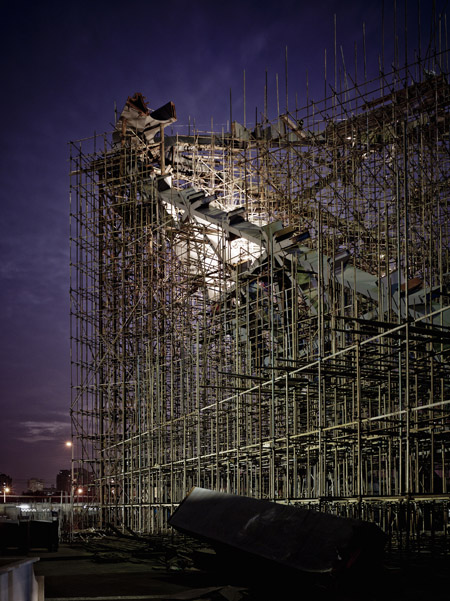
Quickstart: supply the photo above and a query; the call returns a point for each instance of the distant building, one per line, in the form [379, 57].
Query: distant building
[63, 481]
[35, 485]
[5, 481]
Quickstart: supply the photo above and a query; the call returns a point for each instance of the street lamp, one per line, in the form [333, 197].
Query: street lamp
[5, 490]
[69, 444]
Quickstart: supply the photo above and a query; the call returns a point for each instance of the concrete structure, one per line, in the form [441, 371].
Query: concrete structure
[265, 311]
[18, 581]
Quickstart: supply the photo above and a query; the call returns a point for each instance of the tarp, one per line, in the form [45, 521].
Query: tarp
[296, 538]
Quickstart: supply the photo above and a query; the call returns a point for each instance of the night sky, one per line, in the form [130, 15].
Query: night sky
[63, 65]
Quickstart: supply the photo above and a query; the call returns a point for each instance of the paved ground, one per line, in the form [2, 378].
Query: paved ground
[74, 573]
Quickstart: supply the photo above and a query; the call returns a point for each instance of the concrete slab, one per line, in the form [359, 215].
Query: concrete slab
[71, 574]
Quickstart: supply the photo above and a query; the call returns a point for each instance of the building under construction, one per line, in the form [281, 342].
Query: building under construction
[265, 310]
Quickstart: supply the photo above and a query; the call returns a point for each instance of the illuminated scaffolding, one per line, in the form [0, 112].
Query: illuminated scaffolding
[266, 311]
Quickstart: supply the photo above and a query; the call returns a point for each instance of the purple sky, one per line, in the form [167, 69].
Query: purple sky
[63, 65]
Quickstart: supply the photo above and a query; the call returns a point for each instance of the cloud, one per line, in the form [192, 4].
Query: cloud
[40, 431]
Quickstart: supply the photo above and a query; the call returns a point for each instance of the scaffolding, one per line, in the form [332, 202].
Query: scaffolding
[265, 311]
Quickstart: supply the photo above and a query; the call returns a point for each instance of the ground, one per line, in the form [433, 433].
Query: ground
[116, 568]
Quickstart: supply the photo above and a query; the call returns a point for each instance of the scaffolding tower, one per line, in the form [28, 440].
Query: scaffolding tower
[265, 311]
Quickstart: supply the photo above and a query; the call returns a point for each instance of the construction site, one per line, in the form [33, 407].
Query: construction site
[264, 310]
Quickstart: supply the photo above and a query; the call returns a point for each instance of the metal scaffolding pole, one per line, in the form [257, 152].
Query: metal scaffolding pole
[266, 311]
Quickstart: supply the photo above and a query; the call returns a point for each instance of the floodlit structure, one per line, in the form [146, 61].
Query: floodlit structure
[265, 311]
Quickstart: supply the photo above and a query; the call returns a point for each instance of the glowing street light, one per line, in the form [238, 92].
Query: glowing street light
[5, 491]
[69, 444]
[80, 492]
